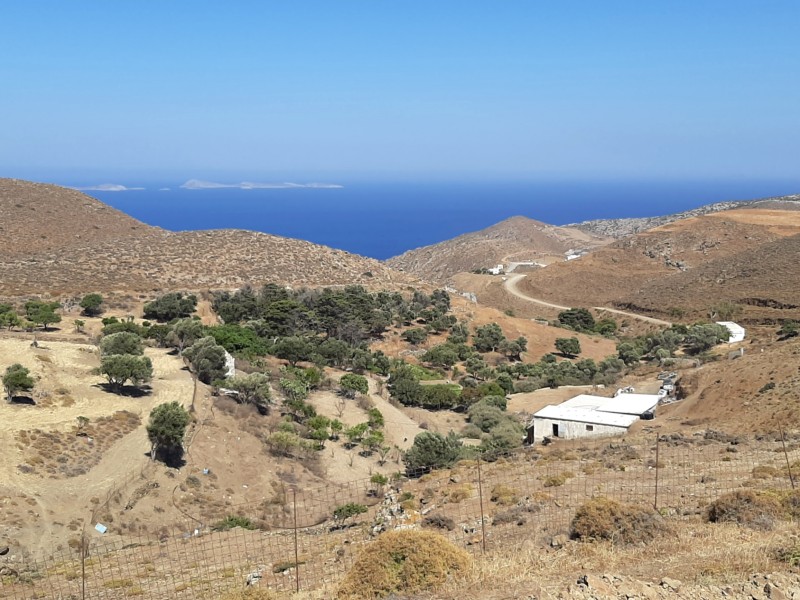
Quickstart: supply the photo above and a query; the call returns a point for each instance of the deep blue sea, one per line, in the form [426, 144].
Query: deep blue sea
[385, 219]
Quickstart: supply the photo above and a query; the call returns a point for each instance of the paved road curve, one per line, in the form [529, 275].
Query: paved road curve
[511, 286]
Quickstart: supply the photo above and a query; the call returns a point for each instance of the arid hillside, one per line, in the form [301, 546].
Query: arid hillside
[60, 241]
[619, 228]
[683, 265]
[517, 239]
[38, 217]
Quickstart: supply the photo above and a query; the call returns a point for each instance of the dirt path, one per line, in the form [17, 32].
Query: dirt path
[511, 286]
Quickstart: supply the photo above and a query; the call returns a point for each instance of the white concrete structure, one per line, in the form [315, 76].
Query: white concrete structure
[736, 331]
[496, 270]
[230, 365]
[591, 416]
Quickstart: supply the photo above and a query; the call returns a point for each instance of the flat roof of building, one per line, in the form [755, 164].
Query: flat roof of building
[624, 404]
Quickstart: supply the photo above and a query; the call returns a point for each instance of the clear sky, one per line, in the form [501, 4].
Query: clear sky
[412, 89]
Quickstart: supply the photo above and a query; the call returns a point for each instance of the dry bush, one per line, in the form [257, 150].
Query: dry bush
[504, 495]
[459, 493]
[557, 480]
[764, 472]
[605, 519]
[403, 562]
[518, 514]
[757, 510]
[439, 522]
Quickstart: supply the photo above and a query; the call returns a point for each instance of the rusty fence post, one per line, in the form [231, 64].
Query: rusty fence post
[480, 499]
[296, 550]
[658, 446]
[786, 455]
[84, 551]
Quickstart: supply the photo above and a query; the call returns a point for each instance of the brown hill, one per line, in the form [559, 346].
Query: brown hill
[39, 217]
[60, 241]
[518, 239]
[619, 228]
[664, 267]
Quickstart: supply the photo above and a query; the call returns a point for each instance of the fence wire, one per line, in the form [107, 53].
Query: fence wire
[481, 505]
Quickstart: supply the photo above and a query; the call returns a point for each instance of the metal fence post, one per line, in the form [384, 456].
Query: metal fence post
[480, 498]
[786, 455]
[296, 551]
[655, 498]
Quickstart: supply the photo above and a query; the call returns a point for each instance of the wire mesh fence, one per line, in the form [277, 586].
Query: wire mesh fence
[293, 541]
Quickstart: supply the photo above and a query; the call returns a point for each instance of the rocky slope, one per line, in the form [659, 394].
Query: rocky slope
[619, 228]
[690, 264]
[60, 241]
[518, 239]
[39, 217]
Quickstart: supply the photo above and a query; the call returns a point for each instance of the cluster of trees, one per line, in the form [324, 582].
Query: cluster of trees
[692, 339]
[122, 359]
[498, 431]
[582, 321]
[302, 431]
[36, 313]
[351, 314]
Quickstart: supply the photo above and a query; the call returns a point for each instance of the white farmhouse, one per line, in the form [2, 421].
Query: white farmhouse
[736, 331]
[591, 416]
[496, 270]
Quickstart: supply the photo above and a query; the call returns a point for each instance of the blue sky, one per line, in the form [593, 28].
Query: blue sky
[421, 90]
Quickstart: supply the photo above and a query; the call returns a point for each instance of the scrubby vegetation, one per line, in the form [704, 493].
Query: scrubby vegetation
[403, 562]
[605, 519]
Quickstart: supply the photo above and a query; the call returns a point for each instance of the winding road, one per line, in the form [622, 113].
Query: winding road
[511, 286]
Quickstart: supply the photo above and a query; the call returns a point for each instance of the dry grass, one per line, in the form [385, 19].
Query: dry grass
[62, 454]
[403, 562]
[695, 555]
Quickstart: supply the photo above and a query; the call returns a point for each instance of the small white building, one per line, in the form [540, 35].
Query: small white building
[591, 416]
[736, 331]
[496, 270]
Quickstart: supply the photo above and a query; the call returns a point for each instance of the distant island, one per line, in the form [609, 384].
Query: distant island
[197, 184]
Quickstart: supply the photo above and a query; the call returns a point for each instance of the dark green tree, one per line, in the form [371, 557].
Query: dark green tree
[578, 319]
[185, 333]
[166, 429]
[207, 359]
[42, 313]
[569, 347]
[92, 305]
[352, 384]
[253, 389]
[293, 349]
[17, 379]
[123, 342]
[168, 307]
[121, 368]
[488, 338]
[432, 451]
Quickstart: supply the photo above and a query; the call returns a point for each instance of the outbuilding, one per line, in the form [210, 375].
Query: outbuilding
[586, 416]
[736, 331]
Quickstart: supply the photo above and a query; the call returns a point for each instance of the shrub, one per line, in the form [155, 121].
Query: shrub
[432, 451]
[439, 522]
[504, 495]
[755, 510]
[403, 562]
[604, 519]
[232, 521]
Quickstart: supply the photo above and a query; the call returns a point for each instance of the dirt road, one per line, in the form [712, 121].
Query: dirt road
[511, 286]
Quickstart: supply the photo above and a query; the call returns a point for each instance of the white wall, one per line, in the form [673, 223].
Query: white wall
[569, 430]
